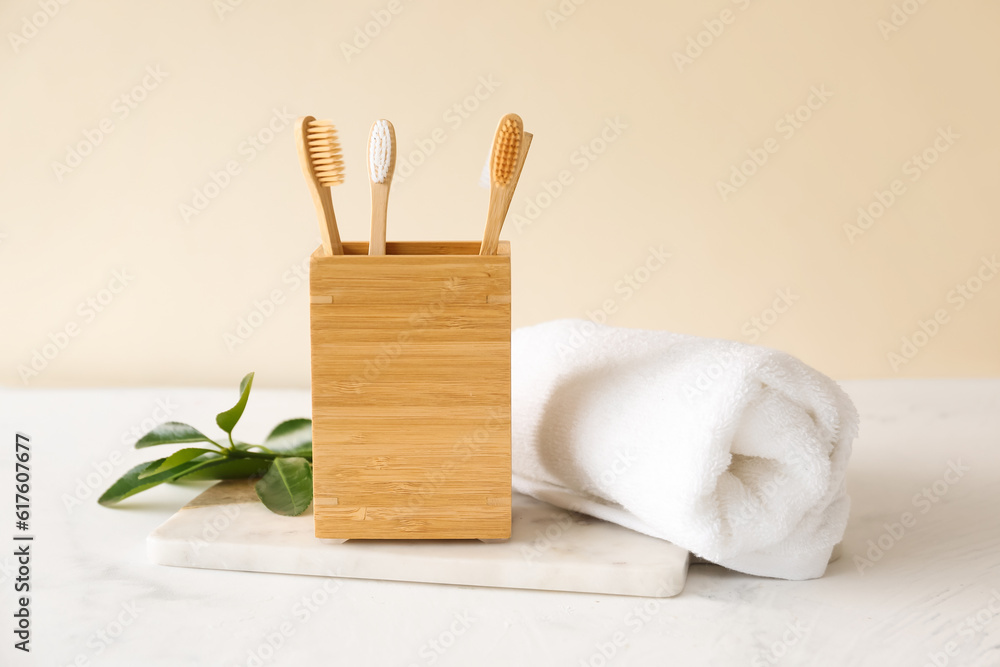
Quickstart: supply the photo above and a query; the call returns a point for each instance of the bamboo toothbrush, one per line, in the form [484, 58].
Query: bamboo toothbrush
[323, 166]
[381, 165]
[510, 147]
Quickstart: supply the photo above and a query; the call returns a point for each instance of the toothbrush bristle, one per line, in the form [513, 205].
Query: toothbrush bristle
[506, 148]
[324, 152]
[379, 151]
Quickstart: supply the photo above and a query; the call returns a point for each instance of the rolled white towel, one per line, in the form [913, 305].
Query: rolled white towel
[735, 452]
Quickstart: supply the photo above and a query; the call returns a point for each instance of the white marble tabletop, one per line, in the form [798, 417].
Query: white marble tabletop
[918, 582]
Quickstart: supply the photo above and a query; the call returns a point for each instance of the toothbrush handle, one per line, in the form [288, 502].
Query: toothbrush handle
[500, 198]
[328, 231]
[380, 203]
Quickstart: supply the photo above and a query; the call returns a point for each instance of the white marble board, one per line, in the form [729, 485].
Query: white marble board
[227, 528]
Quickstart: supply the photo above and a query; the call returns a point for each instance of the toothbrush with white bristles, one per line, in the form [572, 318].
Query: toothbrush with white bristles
[381, 165]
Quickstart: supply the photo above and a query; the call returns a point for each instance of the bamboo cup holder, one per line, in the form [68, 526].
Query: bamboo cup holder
[410, 362]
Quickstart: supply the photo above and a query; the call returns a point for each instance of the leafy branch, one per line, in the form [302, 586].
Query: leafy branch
[283, 462]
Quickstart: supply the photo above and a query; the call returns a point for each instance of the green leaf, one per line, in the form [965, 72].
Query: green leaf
[291, 438]
[227, 420]
[176, 459]
[130, 483]
[286, 488]
[229, 469]
[171, 433]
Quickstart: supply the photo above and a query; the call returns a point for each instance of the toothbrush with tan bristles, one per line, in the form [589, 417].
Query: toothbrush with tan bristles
[381, 165]
[510, 147]
[323, 166]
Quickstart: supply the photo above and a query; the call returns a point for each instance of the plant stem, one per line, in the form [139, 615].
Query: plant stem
[222, 449]
[244, 454]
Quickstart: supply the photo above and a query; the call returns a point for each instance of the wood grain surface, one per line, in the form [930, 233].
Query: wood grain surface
[410, 359]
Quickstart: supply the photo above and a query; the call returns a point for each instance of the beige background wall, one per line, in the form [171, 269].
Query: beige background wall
[673, 129]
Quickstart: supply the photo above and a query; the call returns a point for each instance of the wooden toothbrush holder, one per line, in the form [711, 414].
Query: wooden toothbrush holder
[411, 391]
